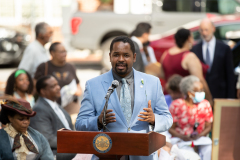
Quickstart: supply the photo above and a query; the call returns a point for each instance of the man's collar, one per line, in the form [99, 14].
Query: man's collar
[211, 42]
[129, 77]
[40, 45]
[50, 102]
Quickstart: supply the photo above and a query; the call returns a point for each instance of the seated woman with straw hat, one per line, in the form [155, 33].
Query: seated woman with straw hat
[19, 141]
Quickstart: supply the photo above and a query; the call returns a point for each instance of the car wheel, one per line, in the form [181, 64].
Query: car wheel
[105, 47]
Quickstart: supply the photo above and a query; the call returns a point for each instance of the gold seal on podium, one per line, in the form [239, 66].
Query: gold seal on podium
[102, 143]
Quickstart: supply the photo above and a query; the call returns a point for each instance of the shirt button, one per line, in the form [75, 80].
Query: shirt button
[129, 129]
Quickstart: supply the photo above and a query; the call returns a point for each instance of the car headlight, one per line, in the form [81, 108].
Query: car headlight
[15, 47]
[27, 38]
[7, 46]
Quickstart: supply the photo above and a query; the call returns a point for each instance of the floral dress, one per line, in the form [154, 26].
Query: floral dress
[186, 116]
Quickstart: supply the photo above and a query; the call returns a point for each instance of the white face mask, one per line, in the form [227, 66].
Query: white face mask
[199, 97]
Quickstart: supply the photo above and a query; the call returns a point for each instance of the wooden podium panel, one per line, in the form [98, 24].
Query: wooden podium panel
[142, 144]
[226, 130]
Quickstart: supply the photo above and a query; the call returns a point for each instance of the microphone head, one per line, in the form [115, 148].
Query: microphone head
[115, 84]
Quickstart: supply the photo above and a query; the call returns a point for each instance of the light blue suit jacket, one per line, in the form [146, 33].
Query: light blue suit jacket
[93, 103]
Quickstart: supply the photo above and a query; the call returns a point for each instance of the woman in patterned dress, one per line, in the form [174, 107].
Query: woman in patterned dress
[192, 115]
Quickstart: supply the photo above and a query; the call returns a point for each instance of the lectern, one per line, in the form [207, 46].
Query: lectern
[109, 145]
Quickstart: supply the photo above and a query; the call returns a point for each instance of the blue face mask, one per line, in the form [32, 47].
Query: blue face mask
[199, 97]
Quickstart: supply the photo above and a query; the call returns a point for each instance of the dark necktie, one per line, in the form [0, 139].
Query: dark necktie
[208, 59]
[28, 143]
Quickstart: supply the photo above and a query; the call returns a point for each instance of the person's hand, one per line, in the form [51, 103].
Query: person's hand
[195, 136]
[147, 116]
[110, 117]
[78, 92]
[238, 93]
[186, 138]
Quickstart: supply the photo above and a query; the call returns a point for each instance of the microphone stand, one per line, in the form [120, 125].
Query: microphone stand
[104, 113]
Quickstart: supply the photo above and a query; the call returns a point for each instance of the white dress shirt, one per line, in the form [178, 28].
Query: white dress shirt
[150, 51]
[238, 82]
[58, 112]
[33, 56]
[211, 48]
[151, 54]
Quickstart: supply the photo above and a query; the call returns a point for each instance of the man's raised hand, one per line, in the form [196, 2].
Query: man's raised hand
[148, 115]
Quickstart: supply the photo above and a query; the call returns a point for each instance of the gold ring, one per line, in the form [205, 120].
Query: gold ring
[147, 117]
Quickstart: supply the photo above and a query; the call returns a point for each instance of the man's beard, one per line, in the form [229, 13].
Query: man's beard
[121, 72]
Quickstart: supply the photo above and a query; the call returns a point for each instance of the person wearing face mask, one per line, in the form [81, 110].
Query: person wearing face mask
[192, 115]
[179, 60]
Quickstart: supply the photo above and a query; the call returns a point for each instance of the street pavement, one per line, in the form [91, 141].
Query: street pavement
[84, 73]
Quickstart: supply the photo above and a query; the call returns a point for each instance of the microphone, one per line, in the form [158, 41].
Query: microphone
[114, 85]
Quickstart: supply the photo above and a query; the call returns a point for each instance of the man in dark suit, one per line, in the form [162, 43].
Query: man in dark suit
[218, 56]
[50, 116]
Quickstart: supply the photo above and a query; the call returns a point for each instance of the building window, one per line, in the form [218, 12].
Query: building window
[7, 8]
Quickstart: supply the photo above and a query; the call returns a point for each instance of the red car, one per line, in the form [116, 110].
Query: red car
[223, 24]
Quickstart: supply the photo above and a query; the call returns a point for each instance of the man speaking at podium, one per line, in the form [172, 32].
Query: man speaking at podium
[136, 106]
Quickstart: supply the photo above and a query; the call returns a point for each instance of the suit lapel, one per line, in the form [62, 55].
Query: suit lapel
[67, 116]
[114, 97]
[200, 53]
[139, 95]
[50, 109]
[215, 56]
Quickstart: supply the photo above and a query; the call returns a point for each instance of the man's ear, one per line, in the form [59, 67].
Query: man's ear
[191, 94]
[214, 29]
[42, 92]
[110, 56]
[41, 36]
[134, 57]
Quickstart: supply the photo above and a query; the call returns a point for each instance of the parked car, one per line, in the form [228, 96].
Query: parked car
[223, 24]
[12, 45]
[95, 31]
